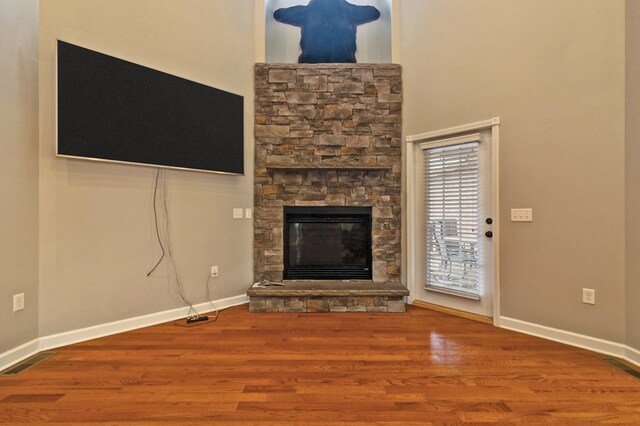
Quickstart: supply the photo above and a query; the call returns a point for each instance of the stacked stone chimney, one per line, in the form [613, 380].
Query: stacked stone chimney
[328, 135]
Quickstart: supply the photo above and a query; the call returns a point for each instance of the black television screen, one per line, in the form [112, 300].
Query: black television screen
[114, 110]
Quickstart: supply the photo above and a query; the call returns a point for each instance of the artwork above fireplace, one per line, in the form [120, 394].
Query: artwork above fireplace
[323, 243]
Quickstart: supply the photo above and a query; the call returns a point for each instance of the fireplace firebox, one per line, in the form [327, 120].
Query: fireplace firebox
[324, 243]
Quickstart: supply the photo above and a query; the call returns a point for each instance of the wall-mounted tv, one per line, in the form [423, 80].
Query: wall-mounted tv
[110, 109]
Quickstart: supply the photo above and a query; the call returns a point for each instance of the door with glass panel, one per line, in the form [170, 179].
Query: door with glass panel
[454, 222]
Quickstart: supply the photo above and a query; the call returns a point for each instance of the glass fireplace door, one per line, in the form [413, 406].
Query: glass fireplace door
[327, 243]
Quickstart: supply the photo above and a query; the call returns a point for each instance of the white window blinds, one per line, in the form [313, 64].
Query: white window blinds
[452, 203]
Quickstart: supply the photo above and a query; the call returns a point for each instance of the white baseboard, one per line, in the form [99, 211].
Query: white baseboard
[633, 356]
[44, 343]
[28, 349]
[17, 354]
[582, 341]
[102, 330]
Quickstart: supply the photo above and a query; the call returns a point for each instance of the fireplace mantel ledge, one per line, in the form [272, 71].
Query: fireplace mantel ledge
[311, 166]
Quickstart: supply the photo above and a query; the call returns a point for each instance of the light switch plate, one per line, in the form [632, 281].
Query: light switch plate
[18, 302]
[521, 215]
[237, 213]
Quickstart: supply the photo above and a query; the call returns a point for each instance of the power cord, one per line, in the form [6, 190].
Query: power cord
[155, 217]
[159, 196]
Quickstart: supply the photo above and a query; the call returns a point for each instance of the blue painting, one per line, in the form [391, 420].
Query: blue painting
[328, 29]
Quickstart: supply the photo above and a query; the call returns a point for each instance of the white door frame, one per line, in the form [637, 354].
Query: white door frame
[413, 144]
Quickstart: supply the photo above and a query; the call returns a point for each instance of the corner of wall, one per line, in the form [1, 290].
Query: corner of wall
[19, 172]
[632, 174]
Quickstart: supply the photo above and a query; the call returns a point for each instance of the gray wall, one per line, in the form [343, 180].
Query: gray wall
[97, 239]
[633, 172]
[554, 73]
[19, 171]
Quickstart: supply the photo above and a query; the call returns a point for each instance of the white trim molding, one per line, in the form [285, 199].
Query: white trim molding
[570, 338]
[13, 356]
[478, 125]
[633, 355]
[108, 329]
[22, 352]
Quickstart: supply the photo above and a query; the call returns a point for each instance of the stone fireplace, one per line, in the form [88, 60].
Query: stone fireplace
[328, 135]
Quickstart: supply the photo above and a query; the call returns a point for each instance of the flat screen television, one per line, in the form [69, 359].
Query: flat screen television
[110, 109]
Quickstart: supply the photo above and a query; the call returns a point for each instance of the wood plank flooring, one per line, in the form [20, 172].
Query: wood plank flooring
[416, 368]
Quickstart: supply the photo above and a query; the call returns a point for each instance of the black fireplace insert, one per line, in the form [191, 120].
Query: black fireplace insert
[322, 243]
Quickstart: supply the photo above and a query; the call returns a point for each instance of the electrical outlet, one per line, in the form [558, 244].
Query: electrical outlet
[237, 213]
[248, 213]
[214, 272]
[521, 215]
[18, 302]
[589, 296]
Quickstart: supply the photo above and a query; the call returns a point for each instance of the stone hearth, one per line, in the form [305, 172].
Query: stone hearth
[328, 296]
[328, 135]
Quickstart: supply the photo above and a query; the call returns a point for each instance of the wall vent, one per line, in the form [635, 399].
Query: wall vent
[622, 366]
[26, 364]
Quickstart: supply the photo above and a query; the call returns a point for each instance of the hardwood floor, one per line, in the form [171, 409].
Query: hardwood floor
[420, 367]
